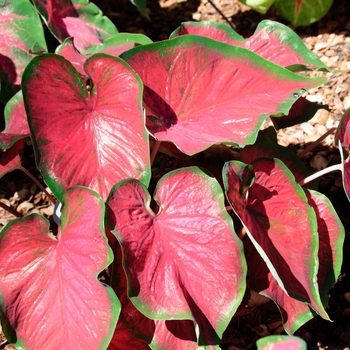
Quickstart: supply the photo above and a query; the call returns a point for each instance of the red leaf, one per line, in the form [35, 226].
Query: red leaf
[123, 340]
[16, 122]
[199, 92]
[49, 288]
[264, 147]
[343, 136]
[165, 254]
[302, 111]
[76, 18]
[90, 136]
[294, 313]
[11, 159]
[274, 210]
[331, 236]
[272, 40]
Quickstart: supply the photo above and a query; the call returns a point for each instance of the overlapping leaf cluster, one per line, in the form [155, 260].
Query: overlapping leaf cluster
[98, 112]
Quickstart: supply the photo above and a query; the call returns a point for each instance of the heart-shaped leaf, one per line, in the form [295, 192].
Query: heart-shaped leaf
[20, 29]
[274, 210]
[281, 342]
[199, 92]
[343, 137]
[76, 18]
[272, 40]
[49, 289]
[302, 12]
[16, 124]
[165, 254]
[91, 135]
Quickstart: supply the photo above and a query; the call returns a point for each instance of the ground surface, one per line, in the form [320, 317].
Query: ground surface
[330, 40]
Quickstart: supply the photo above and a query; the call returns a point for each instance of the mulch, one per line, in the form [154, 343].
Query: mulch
[329, 39]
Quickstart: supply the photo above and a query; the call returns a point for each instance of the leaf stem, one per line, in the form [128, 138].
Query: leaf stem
[221, 14]
[11, 210]
[38, 183]
[336, 167]
[315, 143]
[154, 151]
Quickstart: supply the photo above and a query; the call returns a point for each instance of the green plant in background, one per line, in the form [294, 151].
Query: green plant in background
[154, 151]
[298, 12]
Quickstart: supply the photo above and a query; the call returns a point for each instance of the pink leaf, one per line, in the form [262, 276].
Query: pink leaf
[91, 135]
[165, 254]
[49, 288]
[68, 50]
[77, 18]
[16, 122]
[274, 210]
[281, 342]
[272, 40]
[199, 92]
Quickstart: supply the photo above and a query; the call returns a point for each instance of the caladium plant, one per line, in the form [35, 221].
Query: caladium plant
[298, 12]
[124, 132]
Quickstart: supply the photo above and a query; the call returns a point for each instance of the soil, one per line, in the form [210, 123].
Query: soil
[329, 39]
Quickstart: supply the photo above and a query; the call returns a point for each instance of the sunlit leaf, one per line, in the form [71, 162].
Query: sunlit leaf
[272, 40]
[49, 290]
[88, 133]
[166, 253]
[199, 92]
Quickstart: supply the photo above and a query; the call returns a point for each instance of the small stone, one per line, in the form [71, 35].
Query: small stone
[318, 162]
